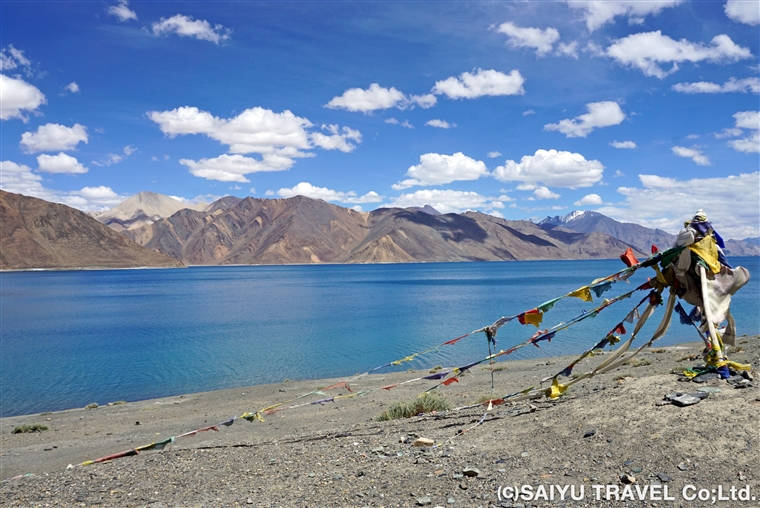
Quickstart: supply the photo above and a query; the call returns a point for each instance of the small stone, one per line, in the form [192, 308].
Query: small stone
[311, 475]
[524, 454]
[700, 395]
[423, 441]
[682, 466]
[589, 433]
[637, 470]
[742, 477]
[744, 383]
[747, 375]
[457, 476]
[735, 379]
[663, 477]
[424, 501]
[92, 405]
[663, 403]
[463, 486]
[249, 501]
[471, 472]
[627, 463]
[378, 450]
[451, 500]
[685, 400]
[627, 479]
[707, 376]
[709, 389]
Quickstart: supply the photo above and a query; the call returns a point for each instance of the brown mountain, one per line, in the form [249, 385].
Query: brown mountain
[38, 234]
[304, 230]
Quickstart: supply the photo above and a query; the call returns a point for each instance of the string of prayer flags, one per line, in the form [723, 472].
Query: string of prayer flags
[195, 432]
[340, 384]
[454, 341]
[546, 306]
[156, 446]
[438, 375]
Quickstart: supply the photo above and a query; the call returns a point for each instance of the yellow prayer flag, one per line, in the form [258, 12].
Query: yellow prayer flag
[583, 293]
[556, 389]
[708, 251]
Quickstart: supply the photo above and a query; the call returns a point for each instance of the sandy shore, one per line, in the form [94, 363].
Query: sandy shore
[336, 454]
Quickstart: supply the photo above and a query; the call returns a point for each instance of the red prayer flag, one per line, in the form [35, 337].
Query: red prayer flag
[628, 258]
[449, 381]
[453, 341]
[655, 250]
[342, 384]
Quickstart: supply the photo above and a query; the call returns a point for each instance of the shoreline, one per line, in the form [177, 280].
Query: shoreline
[77, 435]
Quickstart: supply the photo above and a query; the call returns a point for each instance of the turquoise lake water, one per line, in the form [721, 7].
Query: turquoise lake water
[74, 337]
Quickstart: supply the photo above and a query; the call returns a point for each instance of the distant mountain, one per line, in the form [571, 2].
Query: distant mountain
[753, 241]
[427, 209]
[143, 208]
[640, 237]
[304, 230]
[38, 234]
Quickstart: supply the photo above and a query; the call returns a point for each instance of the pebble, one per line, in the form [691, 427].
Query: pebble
[423, 441]
[457, 476]
[463, 486]
[378, 450]
[663, 477]
[471, 472]
[709, 389]
[627, 479]
[707, 376]
[451, 500]
[424, 501]
[249, 501]
[684, 400]
[742, 477]
[589, 433]
[682, 466]
[524, 454]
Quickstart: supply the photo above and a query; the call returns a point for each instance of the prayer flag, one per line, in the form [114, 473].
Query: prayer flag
[449, 381]
[601, 288]
[628, 258]
[533, 317]
[582, 293]
[453, 341]
[548, 305]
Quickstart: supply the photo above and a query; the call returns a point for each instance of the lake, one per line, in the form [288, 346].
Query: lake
[68, 338]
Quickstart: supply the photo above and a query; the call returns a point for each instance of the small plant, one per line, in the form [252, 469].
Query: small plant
[425, 403]
[435, 369]
[24, 429]
[485, 398]
[92, 405]
[658, 351]
[496, 367]
[638, 362]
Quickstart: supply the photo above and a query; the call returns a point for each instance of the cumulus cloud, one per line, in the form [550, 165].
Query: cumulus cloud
[730, 203]
[446, 201]
[233, 168]
[122, 11]
[743, 11]
[598, 13]
[524, 37]
[377, 97]
[569, 49]
[623, 144]
[72, 87]
[278, 137]
[647, 50]
[325, 194]
[53, 137]
[493, 155]
[692, 153]
[337, 138]
[544, 193]
[589, 199]
[482, 83]
[749, 120]
[552, 167]
[441, 124]
[60, 163]
[186, 26]
[20, 179]
[437, 169]
[11, 58]
[600, 114]
[732, 85]
[18, 97]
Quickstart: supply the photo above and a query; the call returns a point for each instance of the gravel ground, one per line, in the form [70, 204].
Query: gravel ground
[608, 431]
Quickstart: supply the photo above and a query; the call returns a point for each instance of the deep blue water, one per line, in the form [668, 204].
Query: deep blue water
[75, 337]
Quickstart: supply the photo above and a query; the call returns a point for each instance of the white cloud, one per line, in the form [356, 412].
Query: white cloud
[425, 101]
[52, 137]
[18, 97]
[647, 50]
[597, 13]
[623, 144]
[18, 178]
[600, 114]
[338, 139]
[570, 49]
[188, 27]
[481, 83]
[552, 167]
[618, 174]
[93, 198]
[693, 154]
[232, 168]
[72, 87]
[11, 58]
[730, 203]
[278, 137]
[60, 163]
[114, 158]
[122, 11]
[589, 199]
[544, 193]
[526, 186]
[746, 120]
[732, 85]
[528, 112]
[441, 124]
[372, 99]
[524, 37]
[445, 201]
[325, 194]
[437, 169]
[493, 155]
[743, 11]
[405, 124]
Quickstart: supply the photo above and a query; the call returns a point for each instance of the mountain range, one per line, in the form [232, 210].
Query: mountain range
[143, 208]
[38, 234]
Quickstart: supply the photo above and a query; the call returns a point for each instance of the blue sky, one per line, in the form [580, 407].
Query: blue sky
[644, 111]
